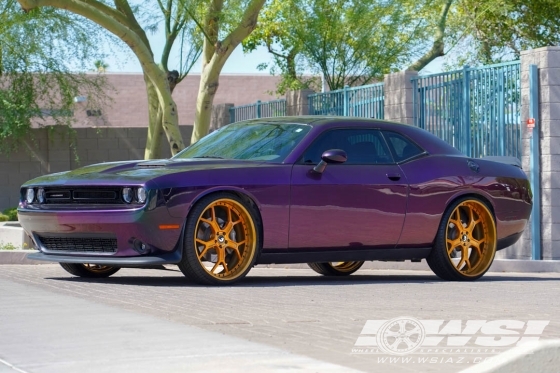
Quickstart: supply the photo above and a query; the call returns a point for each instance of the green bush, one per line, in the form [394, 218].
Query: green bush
[11, 214]
[7, 246]
[4, 218]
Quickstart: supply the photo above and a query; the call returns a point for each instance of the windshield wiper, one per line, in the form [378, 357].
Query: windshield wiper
[210, 156]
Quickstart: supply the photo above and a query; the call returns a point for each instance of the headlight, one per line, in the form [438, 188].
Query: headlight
[127, 195]
[41, 195]
[30, 195]
[141, 195]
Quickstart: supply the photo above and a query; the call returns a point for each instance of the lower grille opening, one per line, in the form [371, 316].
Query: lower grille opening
[79, 244]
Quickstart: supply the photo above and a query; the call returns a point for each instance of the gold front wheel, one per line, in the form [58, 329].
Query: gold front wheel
[221, 240]
[335, 268]
[466, 242]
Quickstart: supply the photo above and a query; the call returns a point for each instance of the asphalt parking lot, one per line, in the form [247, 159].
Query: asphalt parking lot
[276, 319]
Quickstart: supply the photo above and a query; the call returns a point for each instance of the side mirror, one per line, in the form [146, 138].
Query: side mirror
[335, 156]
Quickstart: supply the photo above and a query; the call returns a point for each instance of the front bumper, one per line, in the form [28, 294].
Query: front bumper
[137, 261]
[78, 233]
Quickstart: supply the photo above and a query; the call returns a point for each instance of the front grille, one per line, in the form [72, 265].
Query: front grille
[79, 244]
[95, 194]
[101, 195]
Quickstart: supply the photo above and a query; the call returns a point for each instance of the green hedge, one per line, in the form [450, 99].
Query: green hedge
[11, 214]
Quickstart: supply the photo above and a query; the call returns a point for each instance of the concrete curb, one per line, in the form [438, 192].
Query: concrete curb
[499, 265]
[541, 356]
[17, 257]
[11, 233]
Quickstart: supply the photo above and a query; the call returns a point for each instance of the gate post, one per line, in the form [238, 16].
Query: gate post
[467, 111]
[398, 102]
[545, 139]
[501, 91]
[535, 157]
[345, 108]
[258, 108]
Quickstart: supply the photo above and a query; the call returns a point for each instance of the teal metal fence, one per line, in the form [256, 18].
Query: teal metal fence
[365, 101]
[275, 108]
[477, 110]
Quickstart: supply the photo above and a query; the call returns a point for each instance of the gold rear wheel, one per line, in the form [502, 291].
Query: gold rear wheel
[335, 268]
[89, 270]
[466, 242]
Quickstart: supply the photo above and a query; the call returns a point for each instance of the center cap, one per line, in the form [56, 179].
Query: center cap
[221, 239]
[465, 238]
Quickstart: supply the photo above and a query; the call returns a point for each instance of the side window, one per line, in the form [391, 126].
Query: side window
[402, 147]
[363, 146]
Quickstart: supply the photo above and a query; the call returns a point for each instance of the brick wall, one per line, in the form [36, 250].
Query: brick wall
[129, 99]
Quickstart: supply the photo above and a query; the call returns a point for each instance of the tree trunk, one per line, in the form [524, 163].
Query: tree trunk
[167, 108]
[155, 126]
[125, 27]
[209, 81]
[215, 54]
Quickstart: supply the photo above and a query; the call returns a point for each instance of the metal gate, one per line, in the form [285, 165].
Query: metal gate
[477, 110]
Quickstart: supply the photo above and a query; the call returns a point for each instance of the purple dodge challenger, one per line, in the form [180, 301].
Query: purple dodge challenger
[328, 191]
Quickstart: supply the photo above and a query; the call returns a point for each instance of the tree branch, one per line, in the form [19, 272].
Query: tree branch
[437, 49]
[245, 27]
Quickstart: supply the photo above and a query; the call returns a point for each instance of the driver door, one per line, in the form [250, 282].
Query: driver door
[358, 204]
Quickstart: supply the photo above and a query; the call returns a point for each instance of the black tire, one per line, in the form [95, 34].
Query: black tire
[329, 269]
[89, 270]
[473, 240]
[223, 232]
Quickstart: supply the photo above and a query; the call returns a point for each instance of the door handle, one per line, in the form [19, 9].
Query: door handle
[394, 176]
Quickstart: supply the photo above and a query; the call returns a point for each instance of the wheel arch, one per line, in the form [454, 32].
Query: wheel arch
[474, 195]
[241, 193]
[477, 195]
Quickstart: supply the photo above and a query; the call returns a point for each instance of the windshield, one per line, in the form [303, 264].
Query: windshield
[270, 142]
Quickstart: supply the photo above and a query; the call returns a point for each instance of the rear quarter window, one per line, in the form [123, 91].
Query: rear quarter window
[401, 146]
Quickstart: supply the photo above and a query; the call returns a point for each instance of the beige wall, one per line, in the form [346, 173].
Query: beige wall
[129, 106]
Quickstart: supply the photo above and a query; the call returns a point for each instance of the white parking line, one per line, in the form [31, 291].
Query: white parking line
[12, 366]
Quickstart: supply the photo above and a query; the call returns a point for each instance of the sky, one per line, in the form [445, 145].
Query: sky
[238, 62]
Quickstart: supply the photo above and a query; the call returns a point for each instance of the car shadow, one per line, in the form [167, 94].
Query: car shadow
[296, 280]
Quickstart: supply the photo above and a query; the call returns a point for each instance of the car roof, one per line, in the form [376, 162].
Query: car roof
[425, 139]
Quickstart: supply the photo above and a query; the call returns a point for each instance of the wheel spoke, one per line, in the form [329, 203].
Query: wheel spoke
[212, 223]
[476, 245]
[224, 264]
[235, 247]
[216, 265]
[207, 245]
[456, 222]
[453, 245]
[464, 259]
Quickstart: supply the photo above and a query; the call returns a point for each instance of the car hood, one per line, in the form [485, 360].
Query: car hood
[135, 172]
